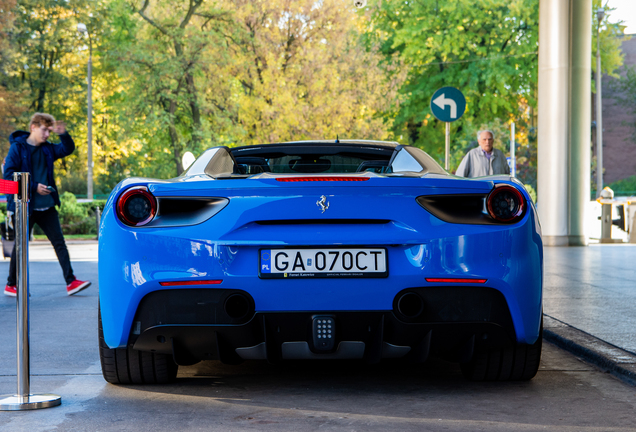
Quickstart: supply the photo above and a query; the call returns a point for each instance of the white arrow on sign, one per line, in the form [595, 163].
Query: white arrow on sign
[441, 102]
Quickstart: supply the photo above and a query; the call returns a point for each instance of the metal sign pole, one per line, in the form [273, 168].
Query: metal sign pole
[447, 164]
[24, 400]
[448, 105]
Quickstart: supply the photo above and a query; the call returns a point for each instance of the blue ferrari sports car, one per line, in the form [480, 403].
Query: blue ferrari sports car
[325, 250]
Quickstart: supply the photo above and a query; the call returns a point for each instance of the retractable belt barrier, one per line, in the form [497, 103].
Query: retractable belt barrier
[8, 187]
[23, 400]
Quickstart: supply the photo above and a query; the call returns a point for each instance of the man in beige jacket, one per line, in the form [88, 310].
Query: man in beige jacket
[483, 160]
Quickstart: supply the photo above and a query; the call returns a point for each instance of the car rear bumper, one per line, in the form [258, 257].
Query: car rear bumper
[199, 325]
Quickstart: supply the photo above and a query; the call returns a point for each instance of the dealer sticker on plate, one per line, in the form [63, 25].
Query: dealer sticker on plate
[308, 263]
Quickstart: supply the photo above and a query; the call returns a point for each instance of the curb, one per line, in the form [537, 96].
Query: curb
[608, 357]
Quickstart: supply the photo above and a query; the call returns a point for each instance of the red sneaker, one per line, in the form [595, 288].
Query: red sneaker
[10, 290]
[76, 286]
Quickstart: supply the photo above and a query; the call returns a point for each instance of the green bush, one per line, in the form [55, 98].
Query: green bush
[531, 192]
[626, 186]
[73, 183]
[79, 217]
[71, 213]
[75, 217]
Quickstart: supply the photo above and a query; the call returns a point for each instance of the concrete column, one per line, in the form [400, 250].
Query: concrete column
[553, 125]
[580, 118]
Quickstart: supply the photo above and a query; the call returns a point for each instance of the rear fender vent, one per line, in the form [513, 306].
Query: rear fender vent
[173, 212]
[458, 208]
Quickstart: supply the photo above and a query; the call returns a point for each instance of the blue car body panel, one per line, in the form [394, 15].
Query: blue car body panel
[133, 261]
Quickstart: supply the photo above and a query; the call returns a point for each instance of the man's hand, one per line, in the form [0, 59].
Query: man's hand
[42, 190]
[59, 127]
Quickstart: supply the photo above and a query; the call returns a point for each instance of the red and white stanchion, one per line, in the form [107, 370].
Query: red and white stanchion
[23, 400]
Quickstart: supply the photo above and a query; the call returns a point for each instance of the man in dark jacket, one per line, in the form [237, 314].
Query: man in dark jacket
[31, 152]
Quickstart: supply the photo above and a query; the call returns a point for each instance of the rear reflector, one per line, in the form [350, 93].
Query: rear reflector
[456, 280]
[191, 282]
[316, 179]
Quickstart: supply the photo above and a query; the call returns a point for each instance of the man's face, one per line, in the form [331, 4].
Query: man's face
[486, 141]
[40, 133]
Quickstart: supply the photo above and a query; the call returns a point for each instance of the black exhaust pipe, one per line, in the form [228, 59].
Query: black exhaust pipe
[410, 305]
[237, 306]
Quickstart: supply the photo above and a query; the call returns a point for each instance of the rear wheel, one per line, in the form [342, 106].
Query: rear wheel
[517, 363]
[129, 366]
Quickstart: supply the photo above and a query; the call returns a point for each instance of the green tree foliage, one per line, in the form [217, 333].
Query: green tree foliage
[489, 52]
[171, 76]
[44, 46]
[303, 73]
[611, 38]
[239, 72]
[44, 67]
[10, 106]
[164, 53]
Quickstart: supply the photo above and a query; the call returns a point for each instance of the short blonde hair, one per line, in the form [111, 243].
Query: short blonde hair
[42, 119]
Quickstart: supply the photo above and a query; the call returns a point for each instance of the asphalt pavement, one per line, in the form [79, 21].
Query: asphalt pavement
[589, 306]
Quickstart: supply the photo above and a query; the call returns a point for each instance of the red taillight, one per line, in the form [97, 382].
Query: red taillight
[136, 206]
[505, 204]
[456, 280]
[317, 178]
[192, 282]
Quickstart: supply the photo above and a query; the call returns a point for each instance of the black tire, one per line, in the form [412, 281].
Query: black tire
[517, 363]
[129, 366]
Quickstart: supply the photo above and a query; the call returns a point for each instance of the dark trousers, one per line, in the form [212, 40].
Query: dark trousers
[49, 221]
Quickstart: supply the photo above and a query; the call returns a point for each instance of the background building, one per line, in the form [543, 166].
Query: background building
[619, 122]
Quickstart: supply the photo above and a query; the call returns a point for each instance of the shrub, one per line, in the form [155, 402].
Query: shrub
[73, 183]
[531, 192]
[74, 217]
[626, 186]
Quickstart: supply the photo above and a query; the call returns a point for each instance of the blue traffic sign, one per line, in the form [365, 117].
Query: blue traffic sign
[448, 104]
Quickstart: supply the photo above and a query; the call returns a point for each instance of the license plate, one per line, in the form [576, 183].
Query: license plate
[323, 263]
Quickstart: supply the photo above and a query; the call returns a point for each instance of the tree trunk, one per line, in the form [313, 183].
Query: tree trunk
[194, 103]
[174, 138]
[39, 103]
[196, 132]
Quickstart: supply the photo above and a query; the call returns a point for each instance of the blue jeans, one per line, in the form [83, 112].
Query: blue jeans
[49, 221]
